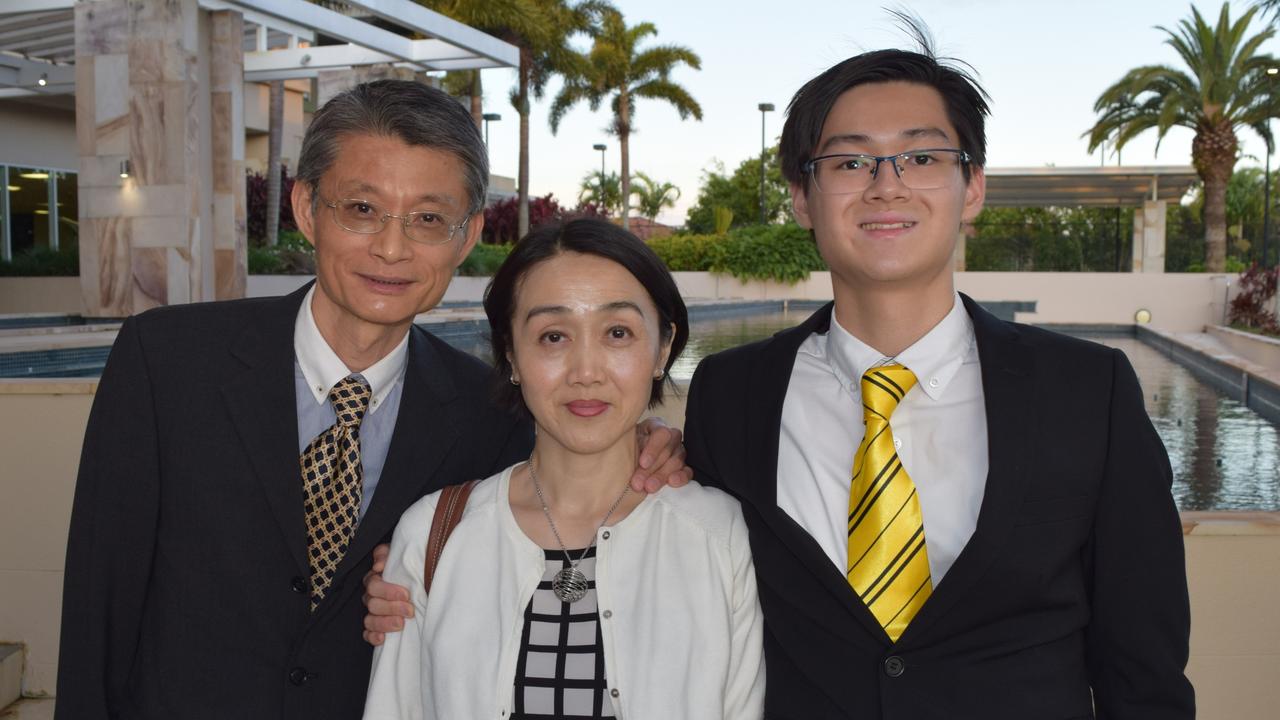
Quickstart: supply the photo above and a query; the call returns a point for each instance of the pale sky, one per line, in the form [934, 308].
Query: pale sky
[1043, 62]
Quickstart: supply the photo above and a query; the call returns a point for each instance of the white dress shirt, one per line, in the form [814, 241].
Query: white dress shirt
[317, 368]
[680, 623]
[939, 428]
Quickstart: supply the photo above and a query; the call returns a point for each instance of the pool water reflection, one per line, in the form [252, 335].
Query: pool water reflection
[1224, 455]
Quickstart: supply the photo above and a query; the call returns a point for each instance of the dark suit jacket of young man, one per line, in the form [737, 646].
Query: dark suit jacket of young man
[1073, 579]
[186, 579]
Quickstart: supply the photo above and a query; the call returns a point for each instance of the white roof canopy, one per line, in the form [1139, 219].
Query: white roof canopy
[37, 40]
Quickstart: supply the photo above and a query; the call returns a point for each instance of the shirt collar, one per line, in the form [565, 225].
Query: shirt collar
[934, 358]
[322, 368]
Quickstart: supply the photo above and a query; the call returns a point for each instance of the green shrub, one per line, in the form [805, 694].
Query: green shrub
[291, 255]
[785, 253]
[43, 262]
[484, 259]
[686, 253]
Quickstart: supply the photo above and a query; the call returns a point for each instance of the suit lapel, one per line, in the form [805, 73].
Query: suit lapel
[264, 411]
[425, 432]
[1008, 386]
[770, 378]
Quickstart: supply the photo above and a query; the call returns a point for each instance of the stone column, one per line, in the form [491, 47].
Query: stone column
[1149, 236]
[226, 106]
[143, 79]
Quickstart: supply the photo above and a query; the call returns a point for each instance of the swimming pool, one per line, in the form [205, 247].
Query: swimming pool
[1224, 455]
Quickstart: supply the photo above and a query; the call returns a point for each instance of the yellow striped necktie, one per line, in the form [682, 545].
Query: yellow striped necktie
[888, 563]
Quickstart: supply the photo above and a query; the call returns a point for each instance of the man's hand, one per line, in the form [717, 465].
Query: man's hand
[387, 604]
[661, 457]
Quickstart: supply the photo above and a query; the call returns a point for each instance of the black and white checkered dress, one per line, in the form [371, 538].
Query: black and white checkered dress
[560, 670]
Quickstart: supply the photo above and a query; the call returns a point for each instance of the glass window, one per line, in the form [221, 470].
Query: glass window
[29, 222]
[68, 210]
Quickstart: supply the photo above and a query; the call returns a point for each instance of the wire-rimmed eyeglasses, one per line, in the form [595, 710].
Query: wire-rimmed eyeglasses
[365, 218]
[847, 173]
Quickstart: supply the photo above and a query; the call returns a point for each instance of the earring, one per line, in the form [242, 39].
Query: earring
[514, 381]
[660, 375]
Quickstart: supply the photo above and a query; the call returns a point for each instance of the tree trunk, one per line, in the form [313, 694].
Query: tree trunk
[1213, 152]
[477, 100]
[624, 142]
[275, 132]
[522, 181]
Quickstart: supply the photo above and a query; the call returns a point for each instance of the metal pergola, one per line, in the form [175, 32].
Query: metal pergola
[282, 41]
[1087, 186]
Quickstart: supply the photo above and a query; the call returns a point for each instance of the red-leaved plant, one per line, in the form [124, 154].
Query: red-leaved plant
[1251, 306]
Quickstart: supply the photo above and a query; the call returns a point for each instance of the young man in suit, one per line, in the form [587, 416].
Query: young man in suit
[242, 459]
[951, 516]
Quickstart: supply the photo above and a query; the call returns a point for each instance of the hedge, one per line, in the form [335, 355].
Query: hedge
[785, 253]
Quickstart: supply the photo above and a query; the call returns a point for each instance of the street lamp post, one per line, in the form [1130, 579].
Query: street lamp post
[764, 108]
[601, 147]
[489, 117]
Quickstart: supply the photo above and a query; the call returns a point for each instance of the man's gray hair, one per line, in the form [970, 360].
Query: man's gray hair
[417, 114]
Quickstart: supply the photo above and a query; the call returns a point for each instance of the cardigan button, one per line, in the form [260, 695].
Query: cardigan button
[607, 614]
[605, 535]
[614, 692]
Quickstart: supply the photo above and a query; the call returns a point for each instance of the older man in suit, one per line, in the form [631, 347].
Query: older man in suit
[242, 459]
[951, 516]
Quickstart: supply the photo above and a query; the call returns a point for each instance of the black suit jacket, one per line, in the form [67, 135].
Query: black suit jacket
[185, 592]
[1071, 591]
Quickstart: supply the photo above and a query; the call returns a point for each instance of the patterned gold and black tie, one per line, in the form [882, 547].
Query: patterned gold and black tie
[888, 563]
[332, 483]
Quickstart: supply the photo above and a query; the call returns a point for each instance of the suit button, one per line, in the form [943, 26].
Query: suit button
[894, 666]
[299, 585]
[298, 676]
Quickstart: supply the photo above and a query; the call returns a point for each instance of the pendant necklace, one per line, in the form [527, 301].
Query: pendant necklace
[570, 585]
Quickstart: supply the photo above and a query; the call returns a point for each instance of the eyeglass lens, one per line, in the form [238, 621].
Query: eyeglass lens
[918, 170]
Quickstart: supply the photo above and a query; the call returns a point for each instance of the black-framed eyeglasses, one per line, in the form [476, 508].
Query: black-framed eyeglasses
[422, 226]
[924, 169]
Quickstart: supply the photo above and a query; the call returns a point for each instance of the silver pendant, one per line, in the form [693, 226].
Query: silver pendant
[570, 585]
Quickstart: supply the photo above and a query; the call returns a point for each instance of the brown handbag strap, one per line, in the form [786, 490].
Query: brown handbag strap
[448, 513]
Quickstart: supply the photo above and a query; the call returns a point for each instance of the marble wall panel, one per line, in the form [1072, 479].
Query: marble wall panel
[231, 271]
[105, 272]
[100, 171]
[185, 283]
[149, 270]
[102, 27]
[226, 61]
[86, 106]
[172, 231]
[224, 124]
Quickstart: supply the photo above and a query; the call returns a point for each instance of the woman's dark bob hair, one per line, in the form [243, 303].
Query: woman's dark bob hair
[588, 236]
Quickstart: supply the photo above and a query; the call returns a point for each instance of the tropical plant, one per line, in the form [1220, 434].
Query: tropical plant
[740, 192]
[722, 219]
[1250, 309]
[501, 224]
[541, 29]
[256, 202]
[602, 191]
[1226, 89]
[652, 197]
[617, 69]
[468, 84]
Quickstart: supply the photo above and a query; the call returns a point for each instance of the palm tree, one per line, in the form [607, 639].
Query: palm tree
[603, 191]
[541, 30]
[652, 196]
[467, 83]
[1227, 88]
[615, 68]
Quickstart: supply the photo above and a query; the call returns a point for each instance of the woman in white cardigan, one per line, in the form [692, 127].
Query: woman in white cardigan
[561, 593]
